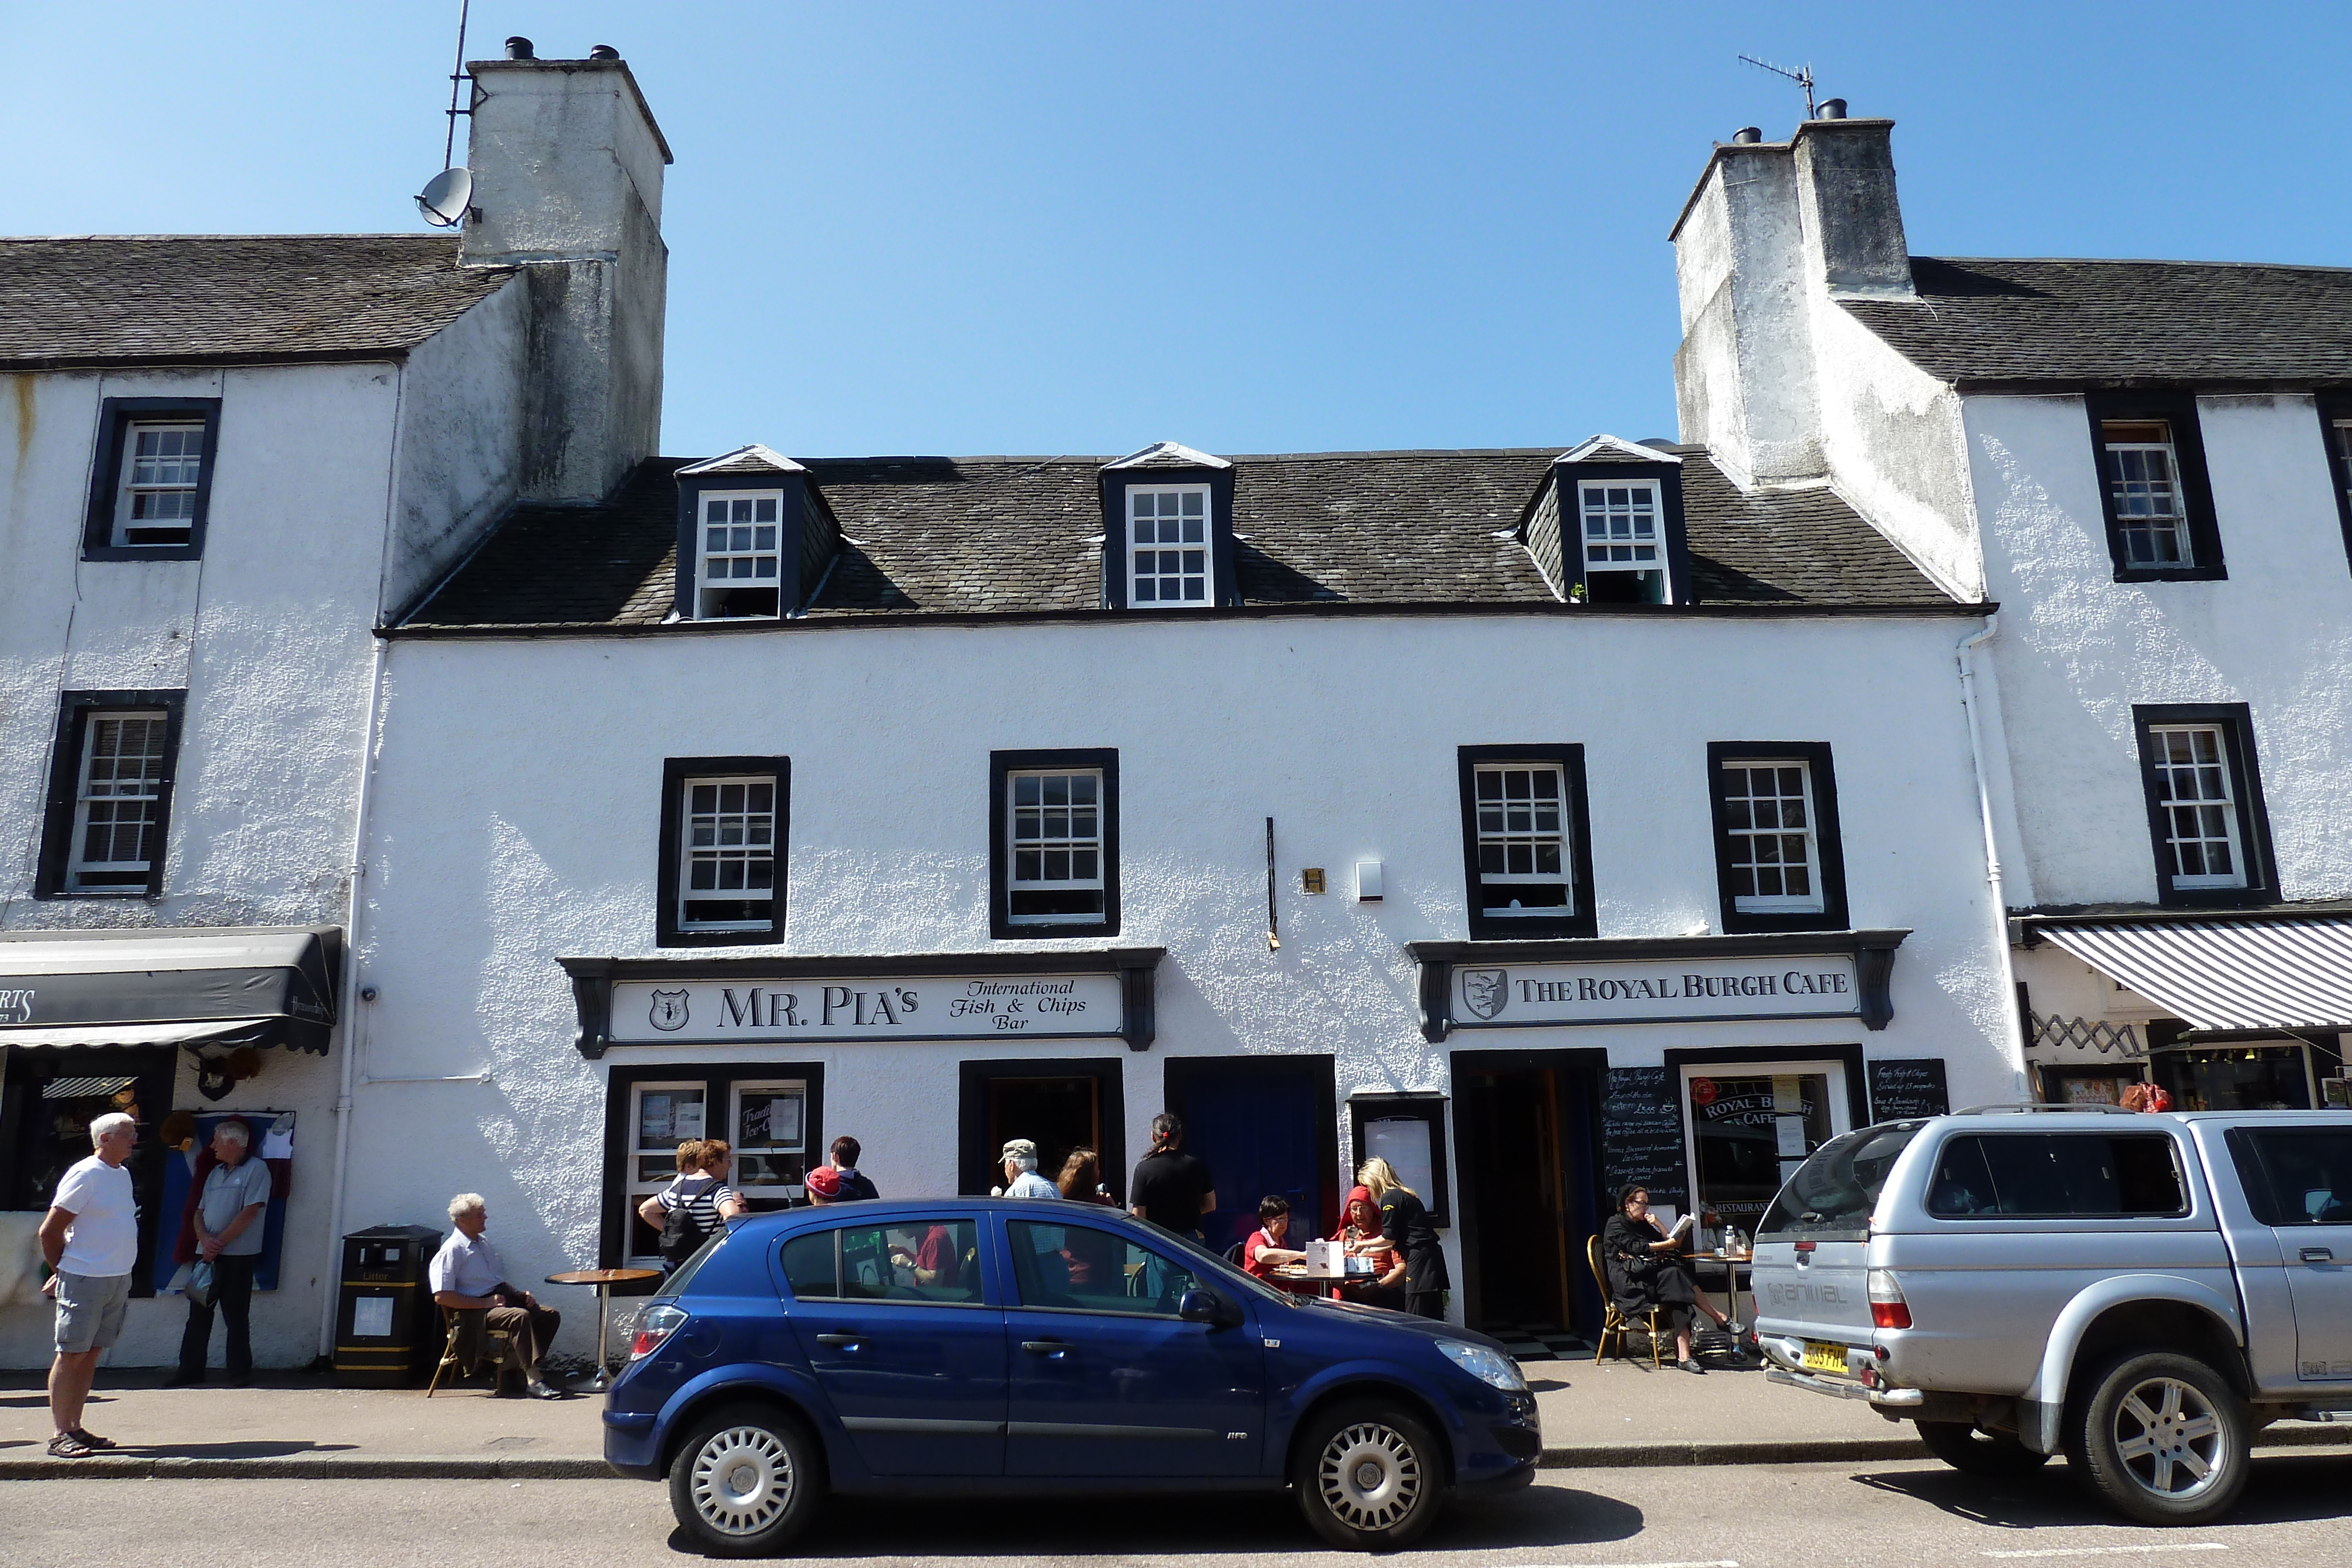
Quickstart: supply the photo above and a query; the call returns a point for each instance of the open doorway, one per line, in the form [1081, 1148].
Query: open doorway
[1057, 1105]
[1525, 1147]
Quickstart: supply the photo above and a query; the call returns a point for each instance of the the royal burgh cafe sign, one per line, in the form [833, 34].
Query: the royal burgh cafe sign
[1102, 994]
[1690, 979]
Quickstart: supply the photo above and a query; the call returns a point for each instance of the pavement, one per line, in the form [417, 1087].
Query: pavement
[299, 1426]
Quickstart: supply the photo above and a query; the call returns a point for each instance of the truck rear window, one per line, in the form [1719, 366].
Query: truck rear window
[1831, 1195]
[2057, 1176]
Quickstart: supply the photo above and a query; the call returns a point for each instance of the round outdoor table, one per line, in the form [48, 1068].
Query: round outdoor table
[1731, 1267]
[604, 1280]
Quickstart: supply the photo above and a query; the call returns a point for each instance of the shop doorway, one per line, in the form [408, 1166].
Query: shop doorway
[49, 1098]
[1265, 1125]
[1057, 1105]
[1751, 1123]
[1526, 1148]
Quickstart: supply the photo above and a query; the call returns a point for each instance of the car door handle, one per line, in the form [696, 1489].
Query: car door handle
[1053, 1347]
[2316, 1255]
[849, 1341]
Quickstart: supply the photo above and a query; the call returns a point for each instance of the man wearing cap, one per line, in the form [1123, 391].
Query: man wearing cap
[1020, 1177]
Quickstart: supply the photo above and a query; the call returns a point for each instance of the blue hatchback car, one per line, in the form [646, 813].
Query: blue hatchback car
[991, 1346]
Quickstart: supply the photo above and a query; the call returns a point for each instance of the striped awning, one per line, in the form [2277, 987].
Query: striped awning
[2227, 974]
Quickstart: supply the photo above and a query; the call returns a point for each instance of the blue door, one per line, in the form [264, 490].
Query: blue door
[896, 1324]
[1106, 1380]
[1260, 1124]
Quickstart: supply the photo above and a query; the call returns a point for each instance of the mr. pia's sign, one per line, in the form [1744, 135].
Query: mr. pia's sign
[1664, 991]
[992, 1007]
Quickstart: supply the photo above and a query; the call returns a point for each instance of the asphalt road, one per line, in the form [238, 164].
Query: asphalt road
[2297, 1512]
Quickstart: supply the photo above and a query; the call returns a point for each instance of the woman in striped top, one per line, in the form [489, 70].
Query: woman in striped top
[700, 1186]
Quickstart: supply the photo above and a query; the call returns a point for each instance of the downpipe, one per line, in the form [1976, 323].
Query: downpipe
[1965, 654]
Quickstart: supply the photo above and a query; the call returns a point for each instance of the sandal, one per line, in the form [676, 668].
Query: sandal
[93, 1441]
[67, 1445]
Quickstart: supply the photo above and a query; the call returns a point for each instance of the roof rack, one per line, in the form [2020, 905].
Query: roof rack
[2025, 1109]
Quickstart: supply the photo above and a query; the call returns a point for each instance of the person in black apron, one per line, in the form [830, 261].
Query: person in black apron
[1404, 1220]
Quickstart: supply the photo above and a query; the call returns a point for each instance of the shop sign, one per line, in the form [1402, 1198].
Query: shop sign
[977, 1007]
[1654, 991]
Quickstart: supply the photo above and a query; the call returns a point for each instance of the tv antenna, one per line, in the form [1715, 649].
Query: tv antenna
[447, 195]
[1803, 77]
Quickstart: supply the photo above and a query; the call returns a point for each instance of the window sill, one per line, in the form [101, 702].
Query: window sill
[2172, 574]
[143, 552]
[760, 937]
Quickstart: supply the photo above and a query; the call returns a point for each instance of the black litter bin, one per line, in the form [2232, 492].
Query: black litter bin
[387, 1331]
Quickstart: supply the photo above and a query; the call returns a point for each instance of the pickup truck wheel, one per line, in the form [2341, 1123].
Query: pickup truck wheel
[746, 1481]
[2163, 1438]
[1369, 1477]
[1976, 1453]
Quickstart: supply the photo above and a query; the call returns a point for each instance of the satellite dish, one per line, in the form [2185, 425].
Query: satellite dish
[444, 198]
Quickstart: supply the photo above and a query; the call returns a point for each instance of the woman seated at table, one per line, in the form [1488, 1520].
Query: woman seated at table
[1647, 1268]
[1360, 1232]
[1263, 1251]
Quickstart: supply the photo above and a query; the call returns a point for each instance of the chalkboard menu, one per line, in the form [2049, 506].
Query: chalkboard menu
[1904, 1087]
[1641, 1135]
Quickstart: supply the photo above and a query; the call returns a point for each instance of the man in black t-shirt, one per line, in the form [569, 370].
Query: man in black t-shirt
[1172, 1189]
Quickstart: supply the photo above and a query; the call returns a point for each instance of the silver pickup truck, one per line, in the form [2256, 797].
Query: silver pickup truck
[2141, 1293]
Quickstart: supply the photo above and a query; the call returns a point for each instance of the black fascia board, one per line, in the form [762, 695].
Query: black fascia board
[1668, 476]
[1225, 589]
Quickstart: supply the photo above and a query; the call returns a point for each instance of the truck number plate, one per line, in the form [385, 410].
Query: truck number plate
[1819, 1357]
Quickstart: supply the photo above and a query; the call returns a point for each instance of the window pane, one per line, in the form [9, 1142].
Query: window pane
[1768, 816]
[1079, 1268]
[810, 1266]
[1169, 576]
[1523, 861]
[729, 846]
[918, 1260]
[2057, 1176]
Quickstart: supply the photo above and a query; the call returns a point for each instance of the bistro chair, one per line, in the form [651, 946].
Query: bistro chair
[493, 1341]
[1616, 1322]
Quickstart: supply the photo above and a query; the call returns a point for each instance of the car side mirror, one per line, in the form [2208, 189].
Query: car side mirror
[1199, 1306]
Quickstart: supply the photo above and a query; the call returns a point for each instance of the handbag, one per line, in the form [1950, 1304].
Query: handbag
[201, 1285]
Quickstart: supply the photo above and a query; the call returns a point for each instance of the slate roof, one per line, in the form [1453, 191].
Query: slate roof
[181, 299]
[2120, 322]
[965, 536]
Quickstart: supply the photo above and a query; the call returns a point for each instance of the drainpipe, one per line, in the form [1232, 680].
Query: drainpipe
[1966, 655]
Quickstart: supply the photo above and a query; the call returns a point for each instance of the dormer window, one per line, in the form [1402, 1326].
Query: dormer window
[1168, 556]
[738, 574]
[1624, 542]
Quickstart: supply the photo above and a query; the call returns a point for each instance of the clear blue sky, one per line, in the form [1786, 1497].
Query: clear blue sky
[1021, 228]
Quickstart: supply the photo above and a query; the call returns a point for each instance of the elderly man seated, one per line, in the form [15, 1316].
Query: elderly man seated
[469, 1278]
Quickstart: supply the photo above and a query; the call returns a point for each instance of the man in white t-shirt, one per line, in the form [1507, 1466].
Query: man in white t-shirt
[1020, 1177]
[91, 1240]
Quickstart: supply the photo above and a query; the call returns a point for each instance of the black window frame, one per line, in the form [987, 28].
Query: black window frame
[2334, 406]
[1001, 765]
[718, 1079]
[115, 417]
[1829, 836]
[1429, 1109]
[1118, 546]
[676, 771]
[2236, 722]
[1582, 919]
[2179, 410]
[74, 712]
[1570, 479]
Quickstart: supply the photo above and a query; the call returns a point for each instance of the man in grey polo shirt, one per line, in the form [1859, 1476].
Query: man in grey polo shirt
[228, 1236]
[90, 1239]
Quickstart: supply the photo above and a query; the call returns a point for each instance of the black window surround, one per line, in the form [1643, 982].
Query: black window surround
[2235, 721]
[669, 929]
[116, 415]
[75, 710]
[1575, 584]
[1428, 1109]
[1828, 842]
[2177, 410]
[1000, 766]
[1118, 541]
[2335, 408]
[718, 1079]
[979, 1162]
[1580, 918]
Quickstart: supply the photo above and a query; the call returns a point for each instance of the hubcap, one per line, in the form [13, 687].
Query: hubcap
[742, 1480]
[1369, 1476]
[2170, 1440]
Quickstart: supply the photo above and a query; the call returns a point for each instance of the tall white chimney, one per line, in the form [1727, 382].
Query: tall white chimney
[567, 165]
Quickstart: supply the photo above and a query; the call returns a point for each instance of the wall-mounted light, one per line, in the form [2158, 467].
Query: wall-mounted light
[1368, 881]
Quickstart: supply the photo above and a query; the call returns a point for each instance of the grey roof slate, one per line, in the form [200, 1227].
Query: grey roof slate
[2119, 322]
[963, 536]
[178, 300]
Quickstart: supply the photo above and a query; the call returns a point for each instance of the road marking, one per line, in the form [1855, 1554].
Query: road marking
[2113, 1551]
[1709, 1563]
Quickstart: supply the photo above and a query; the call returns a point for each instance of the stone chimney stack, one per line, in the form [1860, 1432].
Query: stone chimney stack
[1773, 233]
[567, 164]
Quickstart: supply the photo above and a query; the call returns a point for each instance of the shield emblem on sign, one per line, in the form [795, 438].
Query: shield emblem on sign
[668, 1012]
[1485, 991]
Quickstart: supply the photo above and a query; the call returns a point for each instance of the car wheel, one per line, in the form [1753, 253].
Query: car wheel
[2163, 1438]
[1976, 1453]
[746, 1481]
[1369, 1477]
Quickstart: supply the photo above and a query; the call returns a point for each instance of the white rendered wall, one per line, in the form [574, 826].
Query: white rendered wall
[2078, 649]
[516, 810]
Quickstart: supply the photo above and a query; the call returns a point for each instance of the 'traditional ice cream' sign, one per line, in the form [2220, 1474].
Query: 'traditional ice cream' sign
[1661, 991]
[991, 1007]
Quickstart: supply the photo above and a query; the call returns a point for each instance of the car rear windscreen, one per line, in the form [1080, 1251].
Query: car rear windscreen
[1831, 1195]
[2057, 1176]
